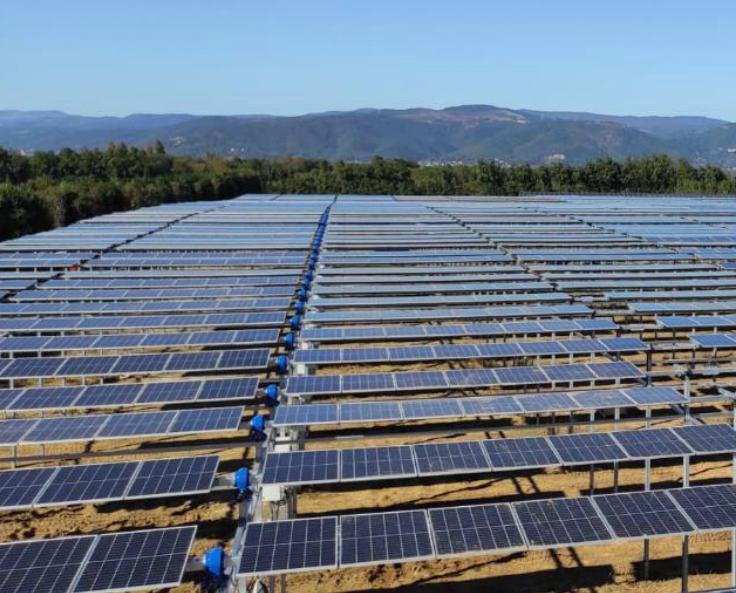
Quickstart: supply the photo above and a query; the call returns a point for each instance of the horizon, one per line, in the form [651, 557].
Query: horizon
[326, 111]
[101, 59]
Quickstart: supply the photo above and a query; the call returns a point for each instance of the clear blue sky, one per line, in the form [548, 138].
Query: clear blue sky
[241, 56]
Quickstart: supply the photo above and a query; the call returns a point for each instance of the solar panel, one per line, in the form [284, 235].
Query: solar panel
[440, 458]
[642, 514]
[74, 428]
[48, 566]
[560, 521]
[520, 453]
[546, 402]
[708, 507]
[570, 372]
[370, 411]
[587, 448]
[207, 420]
[173, 476]
[289, 546]
[482, 406]
[305, 415]
[655, 395]
[376, 538]
[475, 529]
[137, 424]
[301, 467]
[609, 398]
[154, 558]
[716, 438]
[429, 408]
[19, 488]
[652, 442]
[88, 483]
[370, 463]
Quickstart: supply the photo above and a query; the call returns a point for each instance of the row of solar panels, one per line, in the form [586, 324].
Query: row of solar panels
[669, 295]
[712, 322]
[647, 283]
[111, 294]
[112, 426]
[455, 330]
[377, 302]
[116, 322]
[132, 307]
[106, 482]
[473, 407]
[119, 395]
[300, 468]
[441, 313]
[381, 274]
[243, 337]
[105, 366]
[457, 379]
[330, 356]
[415, 287]
[145, 559]
[682, 307]
[163, 281]
[379, 538]
[439, 283]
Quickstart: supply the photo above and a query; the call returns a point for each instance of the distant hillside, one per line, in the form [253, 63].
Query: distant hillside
[463, 133]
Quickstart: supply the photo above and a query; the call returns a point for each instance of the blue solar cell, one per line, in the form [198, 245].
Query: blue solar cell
[287, 546]
[301, 467]
[20, 487]
[482, 406]
[587, 448]
[370, 411]
[655, 442]
[377, 538]
[149, 559]
[642, 514]
[428, 408]
[440, 458]
[487, 528]
[716, 438]
[88, 483]
[520, 376]
[207, 420]
[368, 383]
[520, 453]
[561, 521]
[49, 565]
[378, 462]
[137, 424]
[75, 428]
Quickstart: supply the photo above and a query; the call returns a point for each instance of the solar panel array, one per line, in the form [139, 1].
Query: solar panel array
[403, 536]
[106, 482]
[472, 306]
[201, 287]
[298, 468]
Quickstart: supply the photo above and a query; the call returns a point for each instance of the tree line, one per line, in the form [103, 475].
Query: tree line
[49, 189]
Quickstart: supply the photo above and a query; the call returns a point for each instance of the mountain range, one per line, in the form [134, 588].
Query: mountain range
[464, 133]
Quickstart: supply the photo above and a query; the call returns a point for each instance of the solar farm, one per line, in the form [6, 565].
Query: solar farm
[352, 393]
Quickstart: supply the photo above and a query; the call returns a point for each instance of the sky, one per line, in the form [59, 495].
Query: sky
[99, 57]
